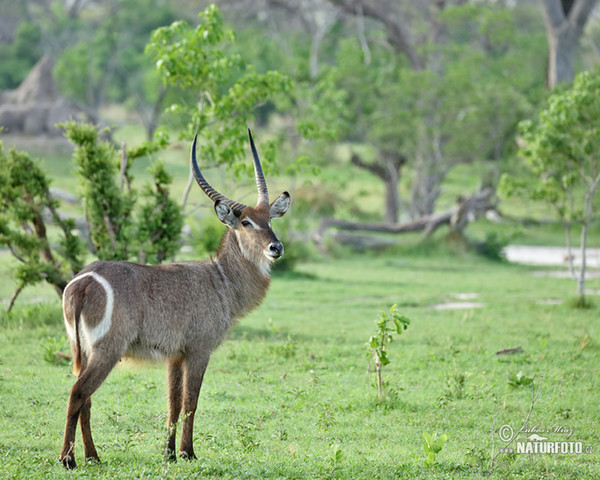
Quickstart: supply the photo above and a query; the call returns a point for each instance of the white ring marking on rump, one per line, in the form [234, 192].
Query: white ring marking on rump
[93, 335]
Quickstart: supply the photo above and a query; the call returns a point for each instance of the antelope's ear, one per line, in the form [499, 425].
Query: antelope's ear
[280, 205]
[225, 214]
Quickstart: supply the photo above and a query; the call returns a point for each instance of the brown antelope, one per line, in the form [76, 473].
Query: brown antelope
[178, 312]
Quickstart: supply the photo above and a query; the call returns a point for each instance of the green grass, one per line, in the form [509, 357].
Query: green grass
[287, 395]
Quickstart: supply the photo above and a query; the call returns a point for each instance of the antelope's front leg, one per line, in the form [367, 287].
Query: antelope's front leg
[194, 368]
[175, 385]
[86, 431]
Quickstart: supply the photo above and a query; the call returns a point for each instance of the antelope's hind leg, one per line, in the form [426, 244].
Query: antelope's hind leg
[90, 378]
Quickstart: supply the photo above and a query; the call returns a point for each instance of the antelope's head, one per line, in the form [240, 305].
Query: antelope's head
[251, 225]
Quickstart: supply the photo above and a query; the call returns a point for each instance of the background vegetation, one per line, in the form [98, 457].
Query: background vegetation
[380, 116]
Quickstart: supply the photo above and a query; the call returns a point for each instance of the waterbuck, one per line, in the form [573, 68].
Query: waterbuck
[178, 312]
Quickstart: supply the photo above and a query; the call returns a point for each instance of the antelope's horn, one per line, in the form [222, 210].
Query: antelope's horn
[261, 183]
[206, 188]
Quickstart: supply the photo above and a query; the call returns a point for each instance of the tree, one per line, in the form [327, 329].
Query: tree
[19, 56]
[223, 91]
[121, 224]
[561, 147]
[104, 61]
[26, 206]
[387, 167]
[160, 220]
[451, 95]
[108, 208]
[565, 21]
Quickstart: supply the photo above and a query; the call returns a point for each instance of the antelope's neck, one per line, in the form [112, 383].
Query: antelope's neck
[245, 282]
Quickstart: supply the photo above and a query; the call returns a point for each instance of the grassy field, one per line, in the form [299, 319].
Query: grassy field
[288, 396]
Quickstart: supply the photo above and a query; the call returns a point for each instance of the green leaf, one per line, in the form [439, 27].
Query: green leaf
[438, 443]
[428, 442]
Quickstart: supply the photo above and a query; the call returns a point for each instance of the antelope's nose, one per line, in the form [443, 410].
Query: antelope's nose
[276, 249]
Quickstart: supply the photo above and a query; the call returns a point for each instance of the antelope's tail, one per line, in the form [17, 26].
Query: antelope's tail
[73, 303]
[76, 345]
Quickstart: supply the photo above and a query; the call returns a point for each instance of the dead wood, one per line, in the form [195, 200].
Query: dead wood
[458, 217]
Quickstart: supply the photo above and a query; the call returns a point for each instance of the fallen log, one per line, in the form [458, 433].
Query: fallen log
[458, 217]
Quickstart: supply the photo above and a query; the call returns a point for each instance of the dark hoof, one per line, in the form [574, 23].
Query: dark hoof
[187, 456]
[68, 462]
[92, 459]
[170, 455]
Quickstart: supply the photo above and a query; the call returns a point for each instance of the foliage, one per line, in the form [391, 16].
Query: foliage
[108, 209]
[17, 58]
[120, 223]
[461, 108]
[432, 446]
[160, 220]
[226, 91]
[26, 205]
[321, 107]
[54, 348]
[388, 324]
[103, 61]
[206, 234]
[519, 379]
[494, 244]
[116, 232]
[561, 150]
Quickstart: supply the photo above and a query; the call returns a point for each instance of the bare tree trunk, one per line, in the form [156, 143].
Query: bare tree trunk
[315, 45]
[392, 197]
[565, 21]
[387, 167]
[425, 193]
[567, 226]
[152, 122]
[581, 280]
[430, 169]
[587, 218]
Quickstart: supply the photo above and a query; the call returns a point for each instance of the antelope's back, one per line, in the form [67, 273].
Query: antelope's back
[147, 311]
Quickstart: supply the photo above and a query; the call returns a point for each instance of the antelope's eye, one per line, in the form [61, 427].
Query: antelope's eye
[246, 223]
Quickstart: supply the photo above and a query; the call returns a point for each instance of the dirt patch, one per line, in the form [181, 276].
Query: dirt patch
[549, 301]
[465, 296]
[457, 305]
[564, 273]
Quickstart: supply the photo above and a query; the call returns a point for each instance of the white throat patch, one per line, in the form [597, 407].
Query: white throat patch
[264, 264]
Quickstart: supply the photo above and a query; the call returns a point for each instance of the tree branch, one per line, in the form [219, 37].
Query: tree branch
[580, 12]
[397, 33]
[475, 204]
[534, 396]
[553, 13]
[375, 168]
[11, 303]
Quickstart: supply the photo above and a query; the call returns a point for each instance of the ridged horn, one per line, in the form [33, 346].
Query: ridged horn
[206, 188]
[261, 183]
